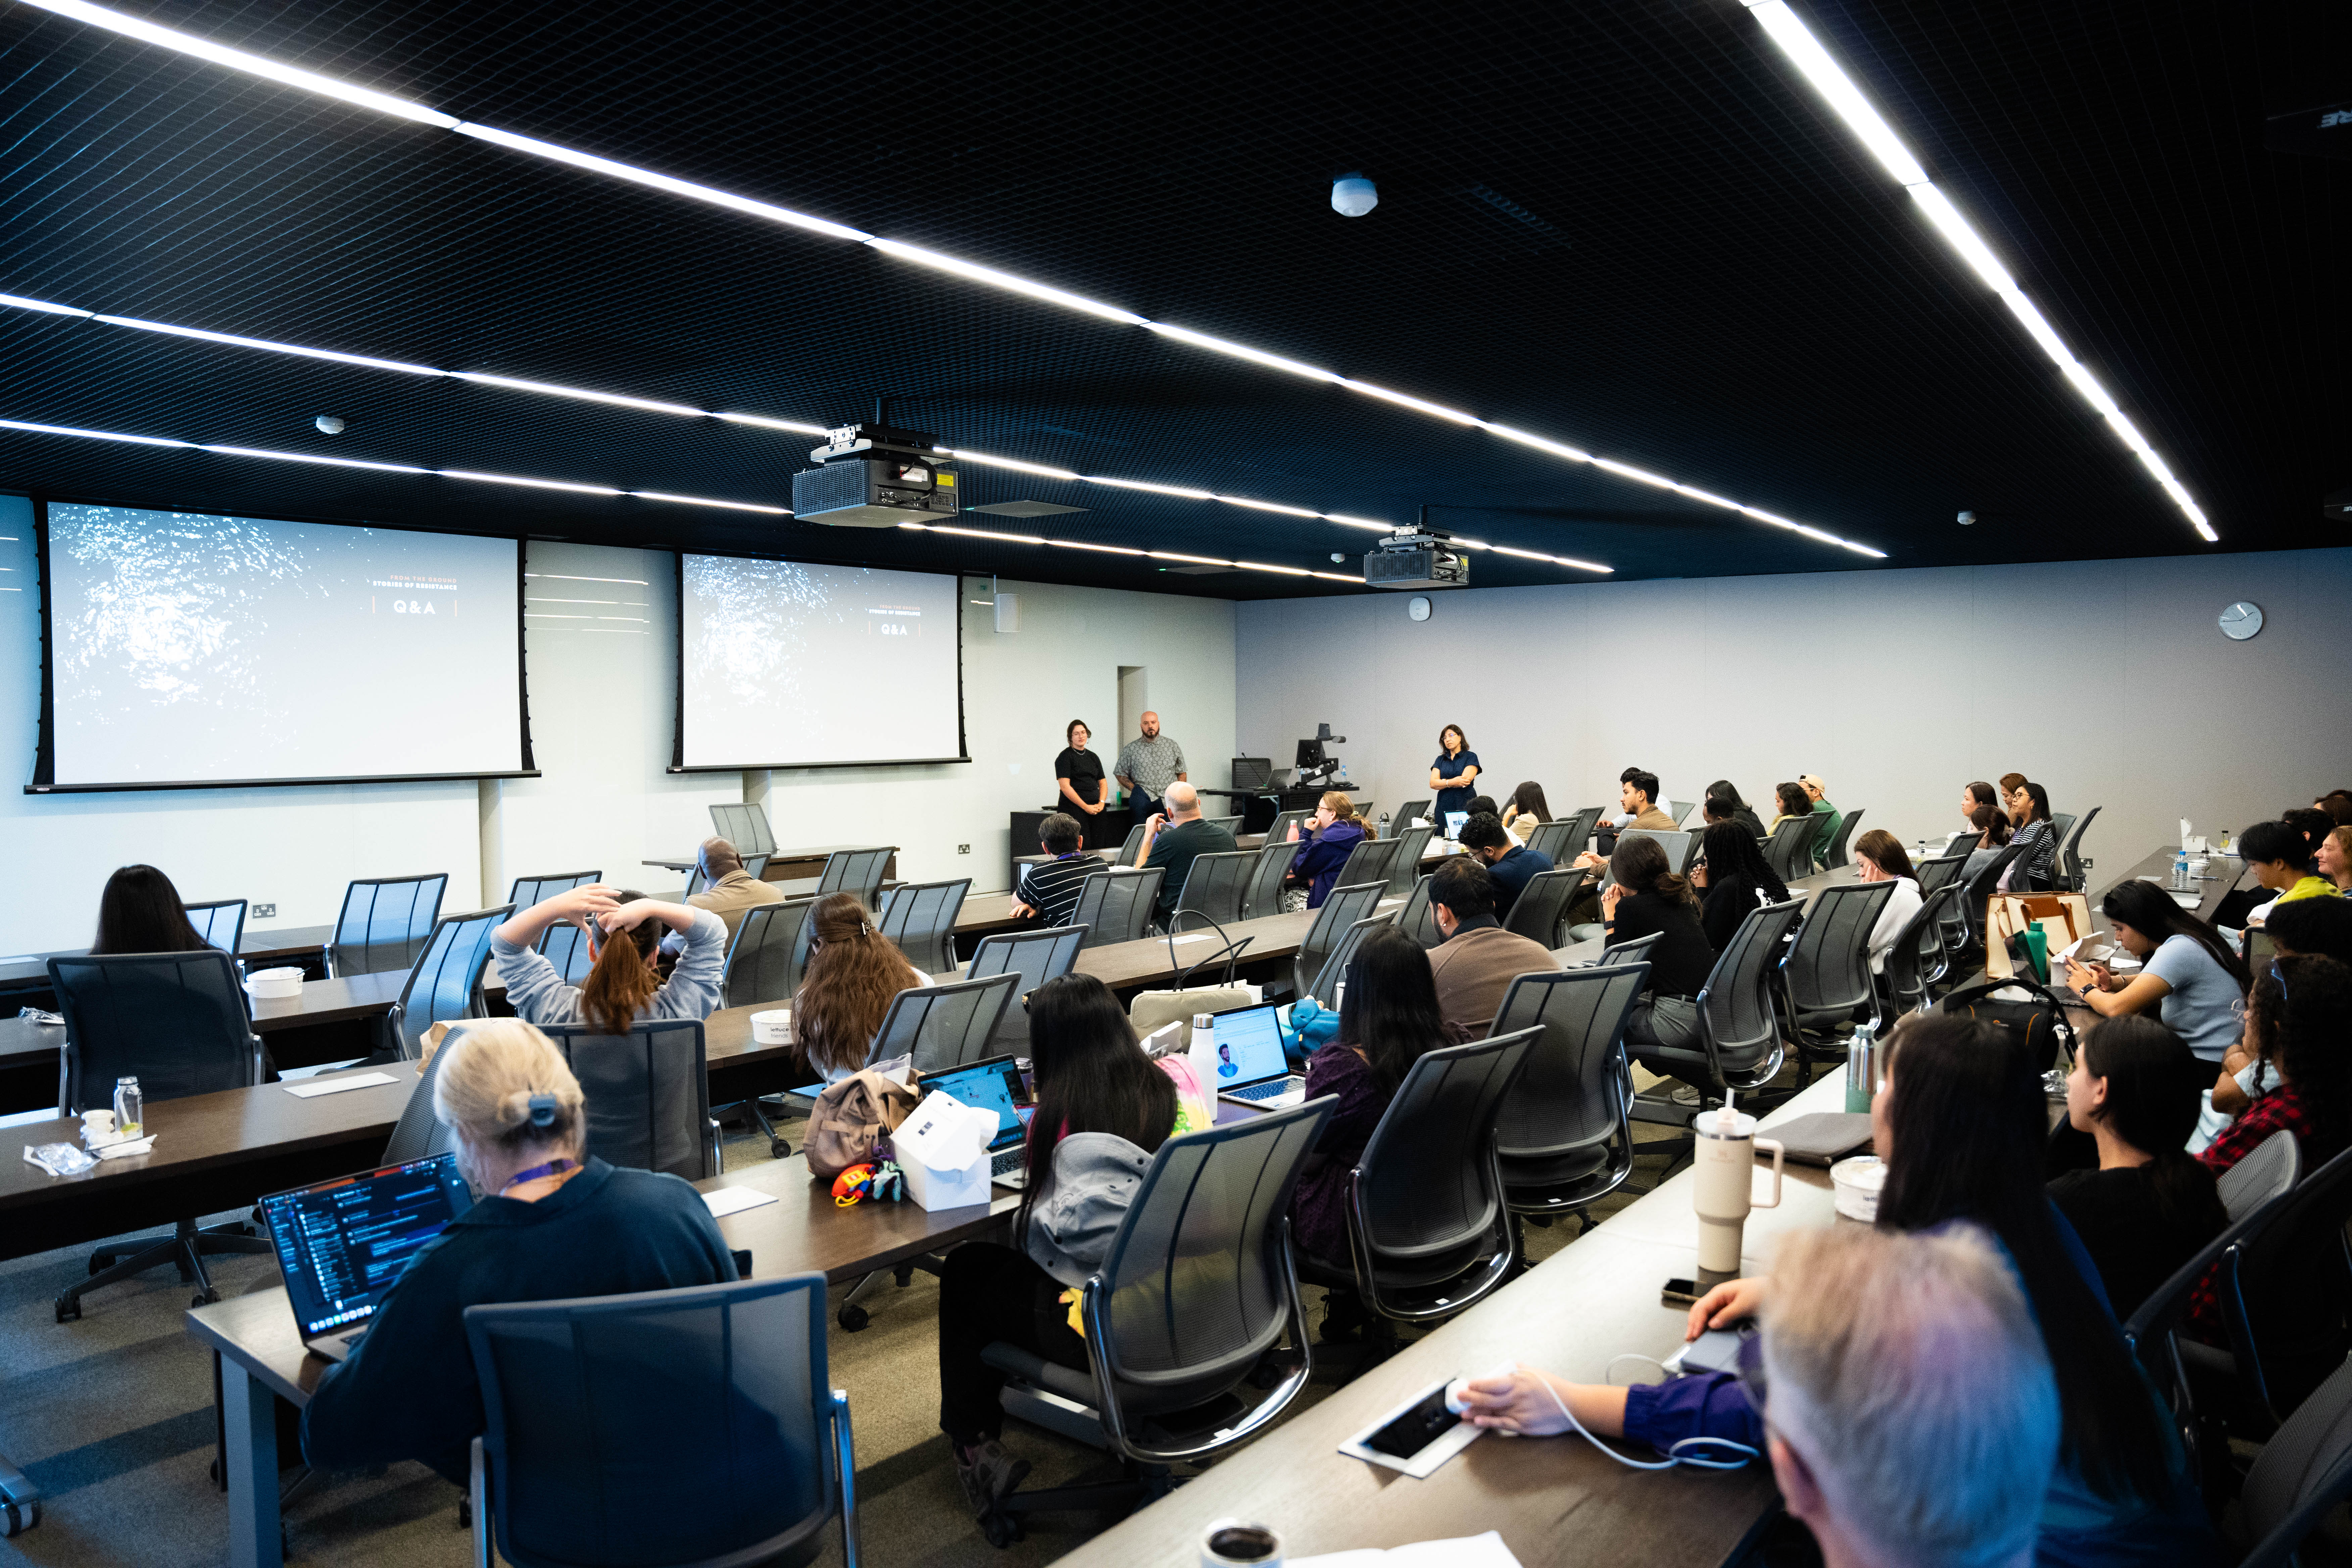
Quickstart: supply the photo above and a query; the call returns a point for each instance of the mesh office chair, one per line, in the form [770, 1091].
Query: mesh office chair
[745, 827]
[385, 923]
[446, 982]
[1551, 840]
[1372, 860]
[2285, 1290]
[564, 945]
[1740, 1044]
[2301, 1475]
[1408, 814]
[1286, 820]
[1117, 905]
[221, 923]
[1428, 1233]
[1405, 869]
[1344, 908]
[1680, 810]
[177, 1022]
[1197, 1285]
[944, 1027]
[1579, 836]
[770, 953]
[1976, 892]
[1826, 973]
[2061, 823]
[419, 1133]
[1213, 886]
[1834, 856]
[858, 871]
[1543, 904]
[1036, 957]
[1565, 1137]
[1132, 850]
[1262, 889]
[694, 1427]
[920, 918]
[1943, 871]
[1623, 952]
[2072, 869]
[1415, 921]
[648, 1099]
[1917, 958]
[1334, 973]
[1681, 848]
[1789, 850]
[529, 891]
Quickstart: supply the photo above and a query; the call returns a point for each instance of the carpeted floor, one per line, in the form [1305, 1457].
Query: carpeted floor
[113, 1418]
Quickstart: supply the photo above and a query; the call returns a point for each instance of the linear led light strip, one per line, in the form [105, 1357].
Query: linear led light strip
[310, 81]
[652, 405]
[1830, 79]
[642, 495]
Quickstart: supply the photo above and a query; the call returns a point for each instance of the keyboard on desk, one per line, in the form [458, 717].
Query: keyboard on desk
[1271, 1089]
[1009, 1167]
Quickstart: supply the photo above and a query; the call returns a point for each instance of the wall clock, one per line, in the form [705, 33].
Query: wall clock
[2241, 620]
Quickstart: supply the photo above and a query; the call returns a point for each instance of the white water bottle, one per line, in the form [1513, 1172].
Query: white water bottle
[1723, 1185]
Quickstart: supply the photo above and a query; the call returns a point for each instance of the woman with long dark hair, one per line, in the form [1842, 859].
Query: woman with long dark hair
[2030, 824]
[1103, 1110]
[2150, 1205]
[2188, 977]
[853, 972]
[624, 930]
[1726, 795]
[1879, 857]
[140, 911]
[1648, 897]
[1732, 871]
[1525, 808]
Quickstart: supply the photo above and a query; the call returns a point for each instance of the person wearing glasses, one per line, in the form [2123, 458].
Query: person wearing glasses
[1455, 774]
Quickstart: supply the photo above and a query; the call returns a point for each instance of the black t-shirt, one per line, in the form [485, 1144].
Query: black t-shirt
[1680, 962]
[1728, 899]
[1085, 772]
[2134, 1244]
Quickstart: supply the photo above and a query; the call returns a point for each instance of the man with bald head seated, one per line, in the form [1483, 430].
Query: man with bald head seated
[731, 890]
[1177, 838]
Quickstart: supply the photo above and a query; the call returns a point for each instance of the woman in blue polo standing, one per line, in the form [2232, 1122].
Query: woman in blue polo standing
[1455, 774]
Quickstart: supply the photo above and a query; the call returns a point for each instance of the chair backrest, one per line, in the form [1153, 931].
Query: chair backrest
[1543, 904]
[385, 923]
[944, 1027]
[695, 1425]
[221, 923]
[744, 826]
[529, 890]
[1834, 856]
[1372, 860]
[1132, 850]
[177, 1022]
[1634, 952]
[1943, 871]
[1735, 1007]
[1558, 841]
[1037, 956]
[1405, 869]
[1917, 957]
[1680, 810]
[1681, 848]
[1283, 822]
[920, 918]
[1198, 1282]
[1346, 906]
[2285, 1290]
[1334, 973]
[770, 953]
[1577, 1089]
[419, 1133]
[648, 1101]
[858, 871]
[1262, 889]
[1117, 905]
[1789, 850]
[1411, 812]
[2301, 1474]
[1428, 1191]
[1213, 885]
[447, 979]
[1415, 921]
[1976, 889]
[1827, 968]
[564, 945]
[2071, 864]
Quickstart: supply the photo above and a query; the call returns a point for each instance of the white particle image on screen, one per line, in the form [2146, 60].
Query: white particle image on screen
[785, 664]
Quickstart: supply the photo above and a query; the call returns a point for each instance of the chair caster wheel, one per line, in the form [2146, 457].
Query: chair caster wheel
[999, 1530]
[15, 1517]
[852, 1319]
[69, 1309]
[465, 1513]
[780, 1149]
[203, 1297]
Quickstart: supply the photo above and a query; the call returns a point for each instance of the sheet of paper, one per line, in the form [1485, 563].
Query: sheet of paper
[125, 1148]
[336, 1086]
[1485, 1550]
[1196, 936]
[735, 1200]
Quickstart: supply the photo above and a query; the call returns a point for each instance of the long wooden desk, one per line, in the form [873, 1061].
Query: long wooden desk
[802, 1231]
[257, 946]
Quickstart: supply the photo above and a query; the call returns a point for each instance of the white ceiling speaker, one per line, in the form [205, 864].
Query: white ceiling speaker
[328, 425]
[1352, 195]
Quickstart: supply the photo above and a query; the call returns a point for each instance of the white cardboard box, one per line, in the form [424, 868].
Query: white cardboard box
[943, 1149]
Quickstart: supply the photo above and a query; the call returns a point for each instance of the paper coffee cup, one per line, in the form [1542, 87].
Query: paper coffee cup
[1239, 1543]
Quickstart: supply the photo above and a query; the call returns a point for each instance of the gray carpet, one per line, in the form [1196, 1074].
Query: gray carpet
[113, 1418]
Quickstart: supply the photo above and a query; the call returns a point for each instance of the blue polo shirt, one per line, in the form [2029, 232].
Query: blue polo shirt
[1512, 873]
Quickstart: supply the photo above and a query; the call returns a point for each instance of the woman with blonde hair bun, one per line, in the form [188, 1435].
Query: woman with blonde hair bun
[551, 1221]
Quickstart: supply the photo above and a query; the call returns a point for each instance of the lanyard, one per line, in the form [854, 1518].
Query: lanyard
[553, 1168]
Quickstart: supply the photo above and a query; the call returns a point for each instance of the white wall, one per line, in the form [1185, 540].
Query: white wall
[601, 706]
[2107, 681]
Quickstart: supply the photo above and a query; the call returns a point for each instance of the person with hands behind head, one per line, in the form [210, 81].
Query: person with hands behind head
[625, 931]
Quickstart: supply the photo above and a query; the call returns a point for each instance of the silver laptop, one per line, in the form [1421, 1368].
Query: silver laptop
[1251, 1067]
[993, 1085]
[343, 1244]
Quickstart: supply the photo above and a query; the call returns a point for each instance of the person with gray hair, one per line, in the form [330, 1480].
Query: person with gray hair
[1178, 838]
[551, 1221]
[1908, 1407]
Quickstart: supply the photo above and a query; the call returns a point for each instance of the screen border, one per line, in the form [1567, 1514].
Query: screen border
[44, 777]
[678, 764]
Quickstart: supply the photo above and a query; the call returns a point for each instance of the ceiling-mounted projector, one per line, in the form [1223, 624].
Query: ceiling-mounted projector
[875, 477]
[1421, 557]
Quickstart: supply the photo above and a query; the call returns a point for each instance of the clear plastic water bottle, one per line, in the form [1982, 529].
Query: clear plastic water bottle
[2180, 870]
[128, 1102]
[1343, 772]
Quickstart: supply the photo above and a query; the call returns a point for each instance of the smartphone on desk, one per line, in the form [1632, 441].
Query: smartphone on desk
[1680, 1294]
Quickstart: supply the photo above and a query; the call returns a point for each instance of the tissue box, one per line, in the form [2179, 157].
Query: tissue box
[773, 1028]
[273, 984]
[942, 1147]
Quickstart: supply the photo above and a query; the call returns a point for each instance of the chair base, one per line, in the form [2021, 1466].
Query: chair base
[756, 1112]
[20, 1501]
[187, 1247]
[853, 1316]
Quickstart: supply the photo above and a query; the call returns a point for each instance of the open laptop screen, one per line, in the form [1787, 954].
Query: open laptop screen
[342, 1244]
[1249, 1048]
[993, 1085]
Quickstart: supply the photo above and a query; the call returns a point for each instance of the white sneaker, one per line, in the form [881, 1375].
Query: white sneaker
[1686, 1095]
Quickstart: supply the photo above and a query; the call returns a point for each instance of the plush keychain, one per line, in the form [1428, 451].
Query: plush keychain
[880, 1180]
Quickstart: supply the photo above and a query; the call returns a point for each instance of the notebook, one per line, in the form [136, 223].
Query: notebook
[1824, 1137]
[343, 1244]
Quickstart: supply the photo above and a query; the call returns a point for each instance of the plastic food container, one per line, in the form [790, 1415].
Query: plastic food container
[273, 984]
[773, 1027]
[1858, 1181]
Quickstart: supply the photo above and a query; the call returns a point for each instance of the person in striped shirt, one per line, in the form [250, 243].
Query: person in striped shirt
[1049, 893]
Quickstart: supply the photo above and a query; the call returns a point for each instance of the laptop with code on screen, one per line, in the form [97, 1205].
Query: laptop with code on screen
[343, 1244]
[1252, 1068]
[993, 1085]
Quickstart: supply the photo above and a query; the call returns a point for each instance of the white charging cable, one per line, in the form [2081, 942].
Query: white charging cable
[1700, 1453]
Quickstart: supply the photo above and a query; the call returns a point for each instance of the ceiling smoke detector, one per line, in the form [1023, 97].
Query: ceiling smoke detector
[328, 425]
[1352, 195]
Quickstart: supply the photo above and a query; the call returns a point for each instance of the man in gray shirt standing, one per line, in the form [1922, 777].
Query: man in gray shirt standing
[1147, 765]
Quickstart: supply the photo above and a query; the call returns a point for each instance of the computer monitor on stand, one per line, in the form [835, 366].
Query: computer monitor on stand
[1315, 766]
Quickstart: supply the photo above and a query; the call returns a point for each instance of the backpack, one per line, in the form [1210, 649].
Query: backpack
[2039, 1024]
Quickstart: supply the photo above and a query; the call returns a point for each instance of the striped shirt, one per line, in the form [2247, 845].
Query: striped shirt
[1051, 888]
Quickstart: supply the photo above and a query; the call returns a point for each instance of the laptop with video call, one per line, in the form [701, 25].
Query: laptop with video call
[342, 1245]
[1252, 1068]
[993, 1085]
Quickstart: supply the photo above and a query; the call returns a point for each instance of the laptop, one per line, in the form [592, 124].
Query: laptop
[994, 1085]
[343, 1244]
[1251, 1067]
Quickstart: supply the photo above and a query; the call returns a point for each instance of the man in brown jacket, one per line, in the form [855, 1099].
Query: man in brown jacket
[1478, 959]
[732, 889]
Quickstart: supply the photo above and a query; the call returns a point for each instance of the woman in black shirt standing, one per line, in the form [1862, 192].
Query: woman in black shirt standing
[2150, 1205]
[1732, 871]
[1648, 897]
[1078, 774]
